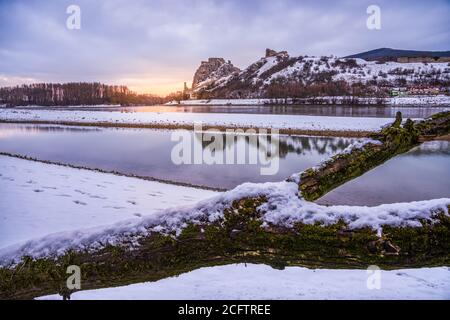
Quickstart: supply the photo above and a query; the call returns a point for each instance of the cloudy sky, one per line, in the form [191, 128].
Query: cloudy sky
[155, 45]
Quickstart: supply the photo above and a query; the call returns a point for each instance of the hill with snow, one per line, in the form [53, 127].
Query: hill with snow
[279, 75]
[389, 54]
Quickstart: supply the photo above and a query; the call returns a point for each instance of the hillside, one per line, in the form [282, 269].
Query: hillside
[279, 75]
[387, 54]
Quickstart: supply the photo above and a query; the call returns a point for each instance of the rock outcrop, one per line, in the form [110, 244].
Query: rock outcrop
[213, 69]
[273, 53]
[270, 53]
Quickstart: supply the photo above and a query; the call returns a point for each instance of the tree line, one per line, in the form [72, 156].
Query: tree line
[76, 93]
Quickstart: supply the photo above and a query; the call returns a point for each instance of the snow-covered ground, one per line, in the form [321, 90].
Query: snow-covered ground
[295, 122]
[38, 199]
[42, 213]
[435, 100]
[420, 101]
[260, 282]
[61, 207]
[363, 71]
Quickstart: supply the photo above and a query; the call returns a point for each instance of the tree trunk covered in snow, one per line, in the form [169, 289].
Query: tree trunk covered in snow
[237, 238]
[240, 237]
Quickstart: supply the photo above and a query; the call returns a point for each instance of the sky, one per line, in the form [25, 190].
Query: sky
[154, 46]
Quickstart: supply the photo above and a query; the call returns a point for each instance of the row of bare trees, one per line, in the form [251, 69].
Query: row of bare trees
[77, 93]
[297, 89]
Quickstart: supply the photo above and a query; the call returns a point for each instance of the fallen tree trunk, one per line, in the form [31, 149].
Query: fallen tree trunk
[316, 182]
[241, 236]
[237, 238]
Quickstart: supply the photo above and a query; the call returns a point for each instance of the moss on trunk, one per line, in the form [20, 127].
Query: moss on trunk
[237, 238]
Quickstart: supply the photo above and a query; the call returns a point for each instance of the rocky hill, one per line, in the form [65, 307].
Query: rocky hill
[280, 75]
[213, 70]
[389, 54]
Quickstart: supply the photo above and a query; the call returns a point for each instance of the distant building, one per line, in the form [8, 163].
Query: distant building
[186, 92]
[399, 92]
[445, 90]
[418, 90]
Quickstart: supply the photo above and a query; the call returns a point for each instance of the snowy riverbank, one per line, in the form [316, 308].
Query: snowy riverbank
[435, 100]
[260, 282]
[174, 120]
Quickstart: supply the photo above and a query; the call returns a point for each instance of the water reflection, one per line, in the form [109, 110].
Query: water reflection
[31, 129]
[421, 174]
[147, 152]
[300, 145]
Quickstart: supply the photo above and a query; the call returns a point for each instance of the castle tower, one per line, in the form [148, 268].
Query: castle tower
[186, 92]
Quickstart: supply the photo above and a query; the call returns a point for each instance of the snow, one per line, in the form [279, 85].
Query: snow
[295, 122]
[310, 69]
[423, 100]
[359, 144]
[420, 100]
[38, 199]
[49, 209]
[366, 70]
[260, 282]
[283, 207]
[221, 102]
[268, 63]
